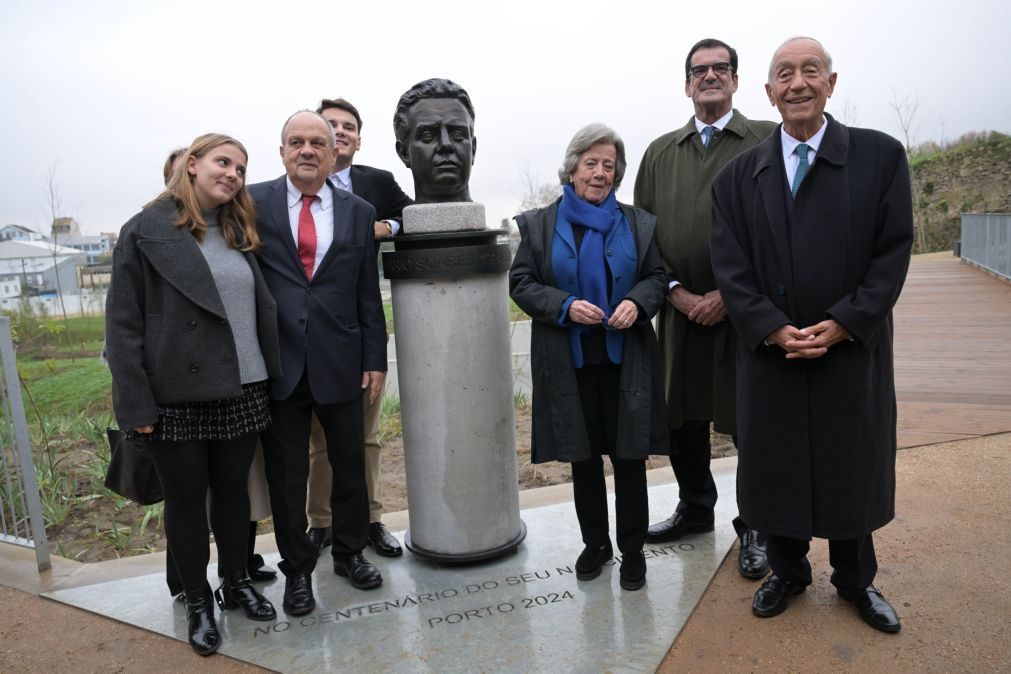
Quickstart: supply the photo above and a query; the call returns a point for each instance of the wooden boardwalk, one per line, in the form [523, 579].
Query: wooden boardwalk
[952, 352]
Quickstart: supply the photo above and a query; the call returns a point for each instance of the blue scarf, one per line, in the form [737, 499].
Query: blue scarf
[591, 265]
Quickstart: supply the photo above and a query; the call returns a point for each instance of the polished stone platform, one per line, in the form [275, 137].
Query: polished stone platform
[520, 613]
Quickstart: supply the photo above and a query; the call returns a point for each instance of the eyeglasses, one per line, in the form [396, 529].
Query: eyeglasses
[721, 68]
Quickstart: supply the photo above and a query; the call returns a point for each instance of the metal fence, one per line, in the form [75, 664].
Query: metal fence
[21, 520]
[986, 241]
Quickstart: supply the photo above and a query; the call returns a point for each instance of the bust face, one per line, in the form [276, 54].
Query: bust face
[439, 149]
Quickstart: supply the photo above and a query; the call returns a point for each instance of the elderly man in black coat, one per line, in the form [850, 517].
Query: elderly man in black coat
[811, 235]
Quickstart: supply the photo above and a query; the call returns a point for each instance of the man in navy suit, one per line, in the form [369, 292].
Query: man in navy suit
[380, 189]
[320, 265]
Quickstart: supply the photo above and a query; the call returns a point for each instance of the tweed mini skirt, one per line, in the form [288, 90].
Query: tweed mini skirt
[215, 419]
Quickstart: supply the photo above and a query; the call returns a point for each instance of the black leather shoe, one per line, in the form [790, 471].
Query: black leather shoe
[258, 570]
[383, 542]
[751, 559]
[298, 599]
[771, 598]
[632, 574]
[320, 537]
[675, 527]
[237, 590]
[203, 631]
[874, 608]
[358, 570]
[591, 560]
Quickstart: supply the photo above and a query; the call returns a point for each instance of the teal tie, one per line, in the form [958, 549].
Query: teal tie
[802, 167]
[707, 135]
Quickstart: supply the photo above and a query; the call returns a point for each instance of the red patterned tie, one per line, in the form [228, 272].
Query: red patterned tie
[307, 236]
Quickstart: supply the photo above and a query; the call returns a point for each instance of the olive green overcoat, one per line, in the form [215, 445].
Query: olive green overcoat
[674, 182]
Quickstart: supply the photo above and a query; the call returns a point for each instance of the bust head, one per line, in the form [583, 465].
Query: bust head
[434, 126]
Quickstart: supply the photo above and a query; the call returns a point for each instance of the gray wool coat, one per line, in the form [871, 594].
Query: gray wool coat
[167, 335]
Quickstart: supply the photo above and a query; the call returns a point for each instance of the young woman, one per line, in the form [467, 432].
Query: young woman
[192, 338]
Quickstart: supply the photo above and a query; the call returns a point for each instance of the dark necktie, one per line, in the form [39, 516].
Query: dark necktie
[801, 167]
[307, 236]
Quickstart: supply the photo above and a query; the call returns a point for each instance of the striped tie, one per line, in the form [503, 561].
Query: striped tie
[801, 167]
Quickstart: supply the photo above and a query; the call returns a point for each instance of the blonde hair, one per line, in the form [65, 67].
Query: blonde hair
[238, 215]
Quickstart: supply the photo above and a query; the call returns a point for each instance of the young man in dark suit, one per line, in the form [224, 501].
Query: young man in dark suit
[320, 265]
[380, 189]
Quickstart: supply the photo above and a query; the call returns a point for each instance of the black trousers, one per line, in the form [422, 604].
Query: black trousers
[690, 453]
[175, 585]
[286, 457]
[598, 394]
[186, 471]
[853, 561]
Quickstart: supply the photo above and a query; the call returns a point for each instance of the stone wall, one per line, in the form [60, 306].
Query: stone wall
[968, 179]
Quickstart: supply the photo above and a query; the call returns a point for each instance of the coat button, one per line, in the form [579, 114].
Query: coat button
[617, 278]
[301, 321]
[224, 321]
[192, 325]
[610, 253]
[781, 290]
[194, 368]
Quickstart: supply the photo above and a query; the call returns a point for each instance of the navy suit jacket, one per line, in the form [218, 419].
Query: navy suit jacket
[331, 327]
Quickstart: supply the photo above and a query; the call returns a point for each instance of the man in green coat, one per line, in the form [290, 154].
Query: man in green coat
[697, 341]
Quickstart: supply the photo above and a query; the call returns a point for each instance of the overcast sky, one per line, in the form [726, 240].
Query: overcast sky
[104, 90]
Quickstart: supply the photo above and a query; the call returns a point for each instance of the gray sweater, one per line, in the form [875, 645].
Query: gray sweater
[234, 281]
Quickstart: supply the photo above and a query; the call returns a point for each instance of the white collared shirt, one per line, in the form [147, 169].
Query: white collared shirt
[322, 213]
[790, 158]
[342, 181]
[720, 123]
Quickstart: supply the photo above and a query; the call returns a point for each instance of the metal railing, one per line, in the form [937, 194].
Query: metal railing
[986, 241]
[21, 520]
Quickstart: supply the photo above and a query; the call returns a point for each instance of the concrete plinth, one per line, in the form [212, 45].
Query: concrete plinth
[456, 392]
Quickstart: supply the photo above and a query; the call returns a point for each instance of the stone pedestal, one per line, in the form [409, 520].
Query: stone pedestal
[448, 278]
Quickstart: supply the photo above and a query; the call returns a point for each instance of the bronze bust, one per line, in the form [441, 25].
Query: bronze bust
[434, 126]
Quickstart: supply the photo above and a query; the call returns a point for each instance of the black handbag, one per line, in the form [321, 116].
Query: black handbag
[131, 472]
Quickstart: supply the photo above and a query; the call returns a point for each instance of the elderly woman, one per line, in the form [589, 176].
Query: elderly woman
[192, 336]
[590, 275]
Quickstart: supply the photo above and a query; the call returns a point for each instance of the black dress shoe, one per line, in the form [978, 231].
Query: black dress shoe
[237, 590]
[383, 542]
[298, 599]
[591, 560]
[751, 559]
[258, 570]
[771, 598]
[674, 527]
[320, 537]
[203, 631]
[632, 574]
[874, 608]
[358, 570]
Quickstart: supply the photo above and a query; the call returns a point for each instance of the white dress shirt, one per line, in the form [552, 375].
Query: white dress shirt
[342, 181]
[790, 158]
[322, 213]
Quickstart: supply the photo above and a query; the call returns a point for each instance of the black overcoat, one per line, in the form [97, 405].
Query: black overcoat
[816, 438]
[559, 431]
[167, 335]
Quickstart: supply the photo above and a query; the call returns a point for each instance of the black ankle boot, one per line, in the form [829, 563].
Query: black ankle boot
[237, 589]
[203, 631]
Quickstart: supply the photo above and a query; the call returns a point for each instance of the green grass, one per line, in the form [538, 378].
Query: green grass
[60, 387]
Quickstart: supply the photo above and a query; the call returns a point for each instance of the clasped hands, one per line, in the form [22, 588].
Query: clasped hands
[707, 310]
[587, 313]
[810, 342]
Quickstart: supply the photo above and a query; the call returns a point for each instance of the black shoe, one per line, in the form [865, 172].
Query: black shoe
[751, 559]
[676, 526]
[258, 570]
[632, 574]
[874, 608]
[383, 542]
[358, 570]
[771, 598]
[237, 590]
[591, 560]
[320, 537]
[298, 599]
[203, 631]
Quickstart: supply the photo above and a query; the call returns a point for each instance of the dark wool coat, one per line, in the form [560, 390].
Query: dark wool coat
[559, 431]
[167, 336]
[674, 182]
[816, 438]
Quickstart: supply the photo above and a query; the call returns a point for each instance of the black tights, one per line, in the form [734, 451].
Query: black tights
[186, 471]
